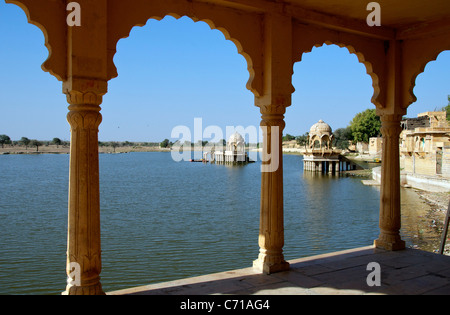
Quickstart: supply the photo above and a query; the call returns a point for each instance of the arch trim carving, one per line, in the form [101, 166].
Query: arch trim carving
[50, 18]
[417, 55]
[369, 51]
[244, 29]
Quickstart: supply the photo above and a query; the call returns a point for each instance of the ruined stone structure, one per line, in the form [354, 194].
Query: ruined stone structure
[425, 144]
[272, 36]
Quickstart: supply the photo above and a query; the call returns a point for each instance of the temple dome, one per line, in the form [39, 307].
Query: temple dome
[320, 135]
[236, 138]
[320, 128]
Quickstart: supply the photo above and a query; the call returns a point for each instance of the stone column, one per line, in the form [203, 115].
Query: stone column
[83, 242]
[390, 206]
[273, 100]
[271, 232]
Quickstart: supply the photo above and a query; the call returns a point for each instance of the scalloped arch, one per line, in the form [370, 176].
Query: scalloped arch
[254, 83]
[412, 97]
[416, 59]
[49, 17]
[370, 52]
[361, 59]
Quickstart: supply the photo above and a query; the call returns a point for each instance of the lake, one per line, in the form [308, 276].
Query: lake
[164, 220]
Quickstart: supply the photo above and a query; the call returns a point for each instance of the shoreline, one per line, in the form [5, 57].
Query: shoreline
[53, 149]
[438, 204]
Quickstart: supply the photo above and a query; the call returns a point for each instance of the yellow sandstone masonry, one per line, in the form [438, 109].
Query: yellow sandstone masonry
[271, 36]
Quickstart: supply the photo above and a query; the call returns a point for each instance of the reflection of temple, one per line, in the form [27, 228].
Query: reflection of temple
[320, 156]
[234, 151]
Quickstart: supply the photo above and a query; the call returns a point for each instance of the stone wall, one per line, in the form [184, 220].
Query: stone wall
[422, 182]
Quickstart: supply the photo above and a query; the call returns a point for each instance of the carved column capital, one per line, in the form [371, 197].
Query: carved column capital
[87, 98]
[273, 121]
[84, 118]
[84, 97]
[273, 115]
[390, 125]
[85, 91]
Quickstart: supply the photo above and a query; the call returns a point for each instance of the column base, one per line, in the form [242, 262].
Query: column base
[389, 242]
[85, 290]
[268, 265]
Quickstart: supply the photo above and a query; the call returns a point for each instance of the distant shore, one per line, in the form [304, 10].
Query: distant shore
[54, 149]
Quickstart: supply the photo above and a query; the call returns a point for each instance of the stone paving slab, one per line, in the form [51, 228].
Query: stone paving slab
[407, 272]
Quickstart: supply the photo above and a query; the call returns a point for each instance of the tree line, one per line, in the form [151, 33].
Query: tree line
[26, 142]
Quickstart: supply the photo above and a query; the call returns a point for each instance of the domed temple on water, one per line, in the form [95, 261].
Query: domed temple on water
[320, 155]
[234, 151]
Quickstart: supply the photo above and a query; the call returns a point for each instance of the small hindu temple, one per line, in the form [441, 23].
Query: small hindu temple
[320, 155]
[234, 151]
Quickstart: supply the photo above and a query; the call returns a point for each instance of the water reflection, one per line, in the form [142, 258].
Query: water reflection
[326, 213]
[332, 210]
[158, 217]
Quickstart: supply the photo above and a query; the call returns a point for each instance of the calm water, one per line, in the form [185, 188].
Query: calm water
[163, 220]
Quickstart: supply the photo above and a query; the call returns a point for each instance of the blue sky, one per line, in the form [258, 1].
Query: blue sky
[173, 71]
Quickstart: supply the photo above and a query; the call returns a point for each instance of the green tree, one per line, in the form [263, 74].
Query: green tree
[25, 141]
[365, 125]
[114, 145]
[165, 143]
[447, 108]
[342, 136]
[36, 143]
[288, 137]
[4, 139]
[57, 141]
[303, 140]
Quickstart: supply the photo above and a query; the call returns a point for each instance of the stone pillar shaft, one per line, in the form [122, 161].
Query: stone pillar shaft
[390, 206]
[83, 242]
[271, 233]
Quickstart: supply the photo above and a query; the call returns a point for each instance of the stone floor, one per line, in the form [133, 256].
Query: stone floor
[408, 272]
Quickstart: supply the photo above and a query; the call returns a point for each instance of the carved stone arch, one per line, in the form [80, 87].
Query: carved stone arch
[370, 52]
[416, 55]
[50, 18]
[244, 29]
